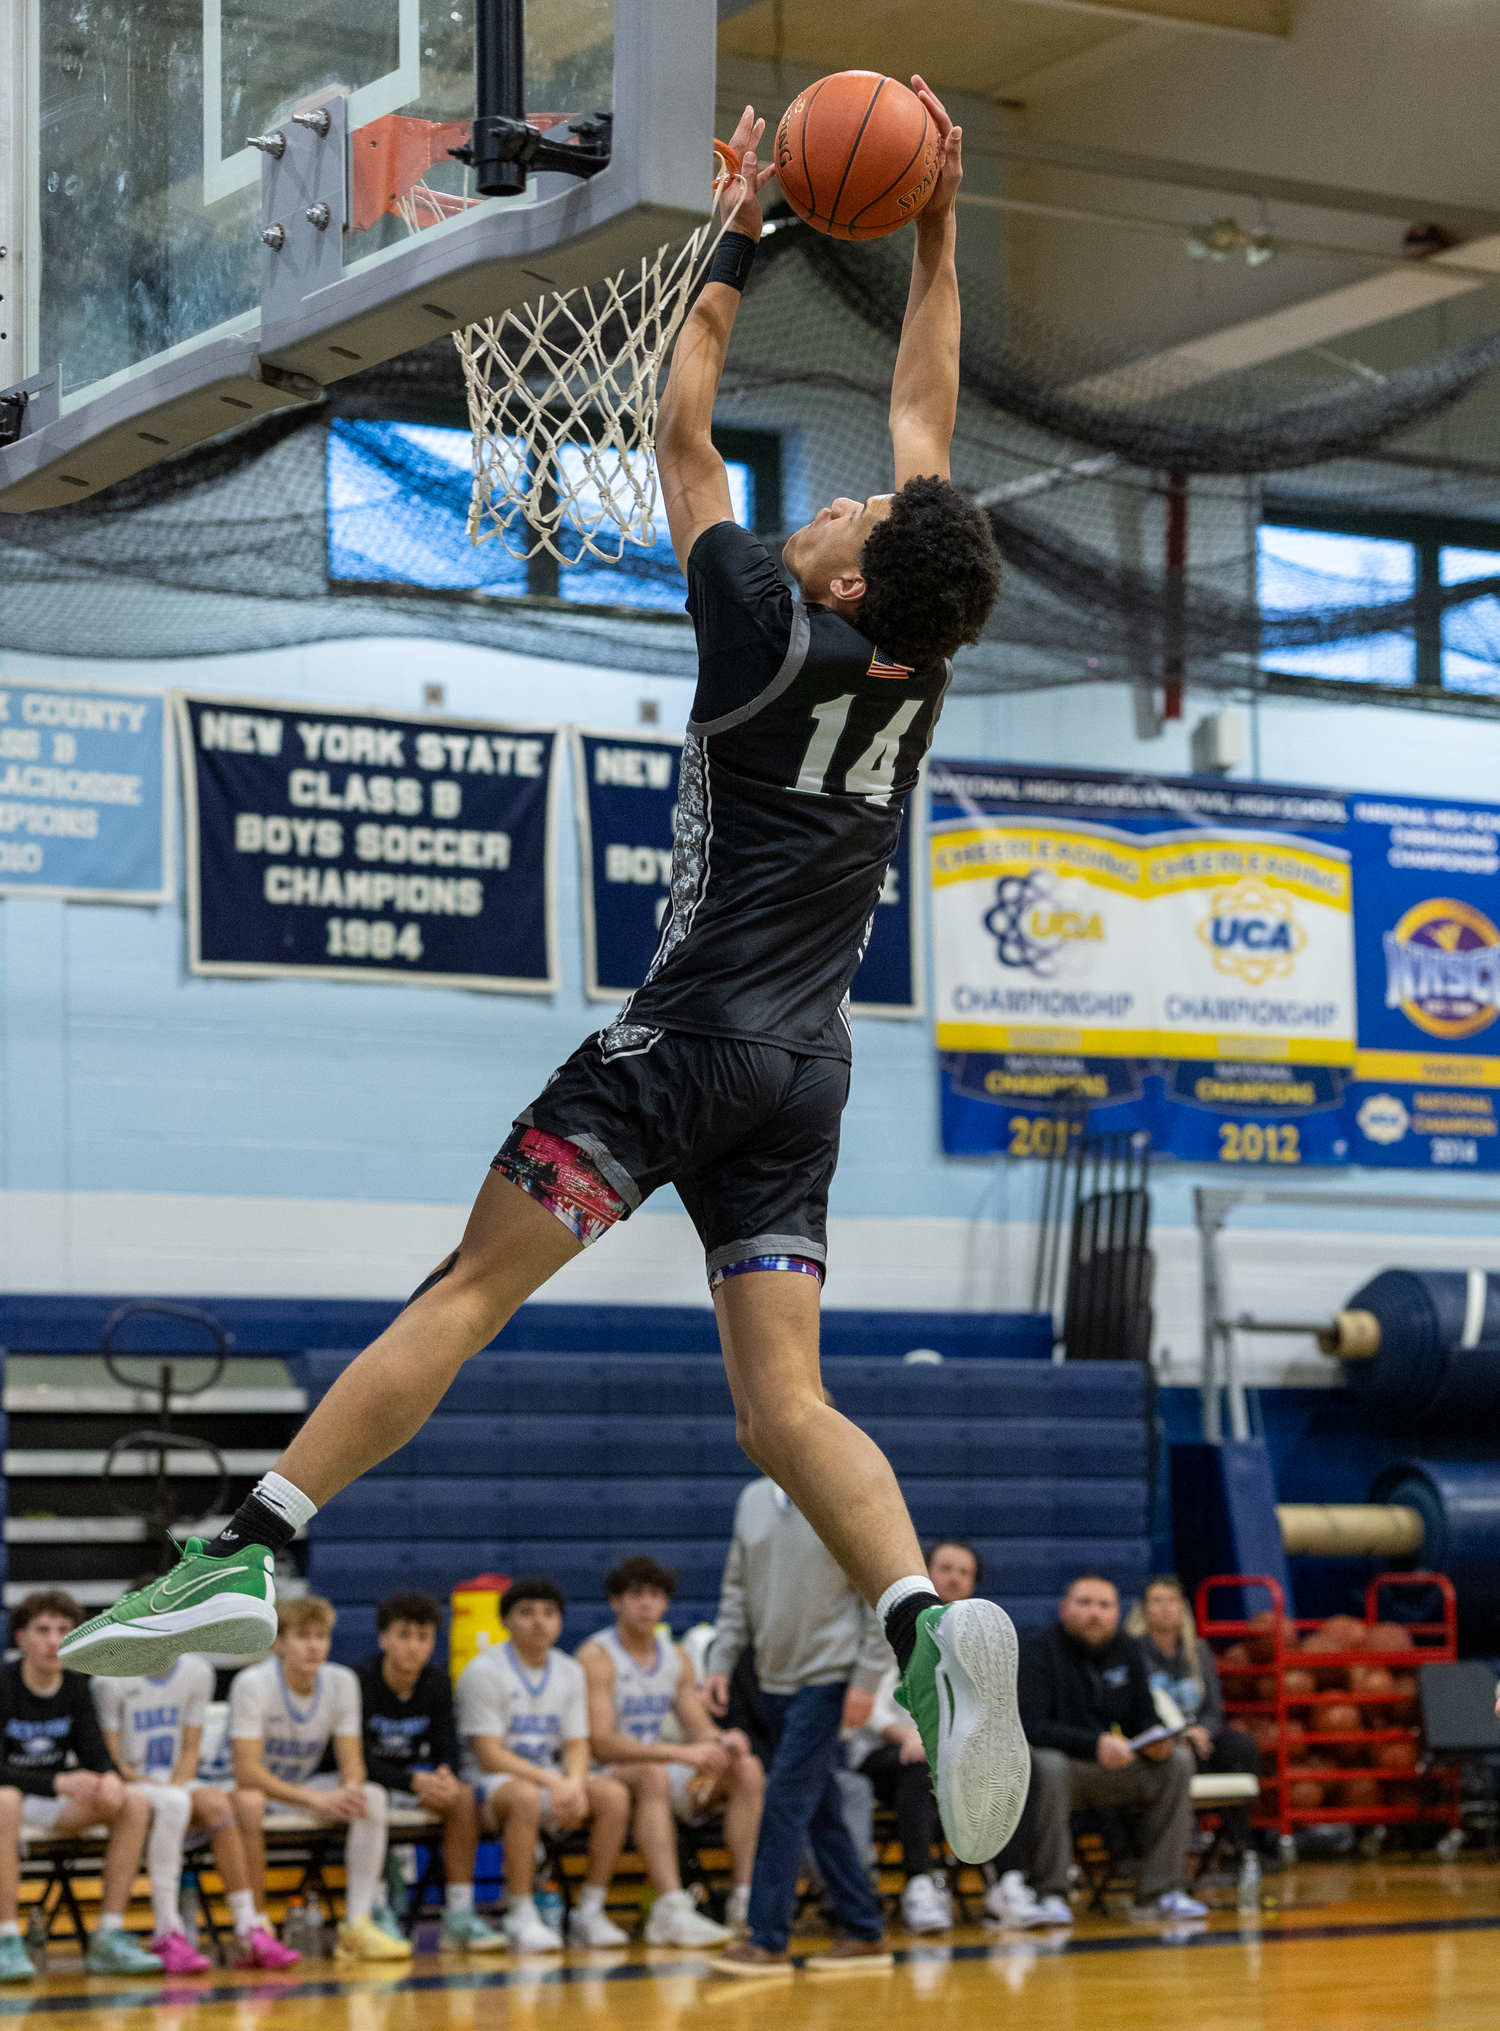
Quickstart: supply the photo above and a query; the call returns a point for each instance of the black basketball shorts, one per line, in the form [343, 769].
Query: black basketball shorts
[748, 1133]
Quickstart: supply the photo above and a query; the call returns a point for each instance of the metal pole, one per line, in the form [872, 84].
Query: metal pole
[499, 91]
[1209, 1219]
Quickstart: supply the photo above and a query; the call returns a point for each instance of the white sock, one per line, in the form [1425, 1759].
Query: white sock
[286, 1499]
[171, 1809]
[901, 1590]
[364, 1856]
[459, 1897]
[9, 1928]
[591, 1898]
[242, 1910]
[111, 1921]
[521, 1907]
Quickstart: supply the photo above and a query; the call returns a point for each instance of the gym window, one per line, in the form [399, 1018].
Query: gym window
[1307, 559]
[397, 508]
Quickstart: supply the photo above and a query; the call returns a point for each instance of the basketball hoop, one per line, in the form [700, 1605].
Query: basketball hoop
[563, 398]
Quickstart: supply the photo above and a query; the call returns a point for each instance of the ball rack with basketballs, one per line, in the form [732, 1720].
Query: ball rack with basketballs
[1333, 1706]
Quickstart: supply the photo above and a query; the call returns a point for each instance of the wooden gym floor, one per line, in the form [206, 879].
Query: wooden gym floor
[1391, 1946]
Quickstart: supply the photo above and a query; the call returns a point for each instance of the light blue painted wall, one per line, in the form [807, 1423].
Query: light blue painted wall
[122, 1073]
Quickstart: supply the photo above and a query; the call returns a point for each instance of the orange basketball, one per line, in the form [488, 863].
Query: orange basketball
[856, 155]
[1360, 1791]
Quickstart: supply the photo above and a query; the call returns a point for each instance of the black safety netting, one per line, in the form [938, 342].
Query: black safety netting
[1126, 496]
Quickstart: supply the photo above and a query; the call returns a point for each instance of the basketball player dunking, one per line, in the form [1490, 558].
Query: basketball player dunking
[727, 1071]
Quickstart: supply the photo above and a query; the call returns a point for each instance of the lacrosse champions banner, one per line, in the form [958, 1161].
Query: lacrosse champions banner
[626, 785]
[1179, 954]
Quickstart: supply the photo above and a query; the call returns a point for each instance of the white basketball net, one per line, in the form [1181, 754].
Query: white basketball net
[563, 397]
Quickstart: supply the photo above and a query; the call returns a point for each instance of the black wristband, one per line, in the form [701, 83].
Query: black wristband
[733, 259]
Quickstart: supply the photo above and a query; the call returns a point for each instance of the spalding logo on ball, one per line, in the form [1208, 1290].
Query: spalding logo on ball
[856, 155]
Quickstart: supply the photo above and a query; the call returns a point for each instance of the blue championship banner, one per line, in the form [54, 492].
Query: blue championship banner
[626, 786]
[84, 777]
[362, 846]
[1427, 936]
[1173, 954]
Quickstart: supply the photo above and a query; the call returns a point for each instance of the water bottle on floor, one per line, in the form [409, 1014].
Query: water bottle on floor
[188, 1906]
[1249, 1891]
[294, 1927]
[36, 1939]
[549, 1906]
[318, 1944]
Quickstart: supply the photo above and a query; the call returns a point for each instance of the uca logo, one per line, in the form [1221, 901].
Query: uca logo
[1252, 933]
[1031, 925]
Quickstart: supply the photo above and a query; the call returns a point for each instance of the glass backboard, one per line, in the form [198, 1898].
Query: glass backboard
[149, 198]
[140, 237]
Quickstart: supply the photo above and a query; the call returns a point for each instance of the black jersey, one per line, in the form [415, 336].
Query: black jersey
[405, 1735]
[44, 1734]
[803, 748]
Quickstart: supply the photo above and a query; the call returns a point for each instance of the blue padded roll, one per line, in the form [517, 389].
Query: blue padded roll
[1424, 1371]
[1459, 1504]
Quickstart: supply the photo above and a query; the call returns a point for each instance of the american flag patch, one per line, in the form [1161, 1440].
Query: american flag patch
[882, 666]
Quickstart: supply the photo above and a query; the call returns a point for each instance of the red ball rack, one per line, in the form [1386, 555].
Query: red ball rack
[1431, 1643]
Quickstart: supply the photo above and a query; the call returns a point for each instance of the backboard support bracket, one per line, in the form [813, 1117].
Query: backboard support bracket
[29, 405]
[304, 205]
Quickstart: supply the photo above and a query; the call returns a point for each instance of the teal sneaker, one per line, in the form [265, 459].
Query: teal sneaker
[466, 1932]
[386, 1920]
[217, 1604]
[960, 1689]
[115, 1953]
[15, 1962]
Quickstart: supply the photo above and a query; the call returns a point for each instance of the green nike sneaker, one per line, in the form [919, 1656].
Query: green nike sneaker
[960, 1689]
[218, 1604]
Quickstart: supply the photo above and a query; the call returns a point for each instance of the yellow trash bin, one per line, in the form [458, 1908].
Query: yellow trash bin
[474, 1623]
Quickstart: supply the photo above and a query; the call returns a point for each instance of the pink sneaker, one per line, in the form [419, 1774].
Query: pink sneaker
[178, 1956]
[264, 1950]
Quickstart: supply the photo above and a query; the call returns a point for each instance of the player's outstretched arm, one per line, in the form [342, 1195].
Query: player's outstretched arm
[924, 388]
[694, 485]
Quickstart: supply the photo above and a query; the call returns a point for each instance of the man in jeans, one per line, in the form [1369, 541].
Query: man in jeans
[819, 1655]
[1084, 1694]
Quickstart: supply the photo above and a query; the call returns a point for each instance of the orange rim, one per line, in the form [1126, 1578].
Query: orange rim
[726, 162]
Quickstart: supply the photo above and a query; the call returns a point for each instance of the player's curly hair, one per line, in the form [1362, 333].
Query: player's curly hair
[932, 574]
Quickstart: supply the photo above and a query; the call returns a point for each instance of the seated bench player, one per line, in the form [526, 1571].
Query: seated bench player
[523, 1717]
[153, 1729]
[282, 1716]
[411, 1748]
[46, 1718]
[636, 1681]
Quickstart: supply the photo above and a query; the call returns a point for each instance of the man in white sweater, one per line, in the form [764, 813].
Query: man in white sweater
[819, 1655]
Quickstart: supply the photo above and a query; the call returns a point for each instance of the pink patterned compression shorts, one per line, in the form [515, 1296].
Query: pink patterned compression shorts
[560, 1177]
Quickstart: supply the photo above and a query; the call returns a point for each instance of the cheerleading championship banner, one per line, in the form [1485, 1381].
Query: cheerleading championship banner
[1428, 939]
[627, 796]
[1177, 952]
[84, 781]
[360, 846]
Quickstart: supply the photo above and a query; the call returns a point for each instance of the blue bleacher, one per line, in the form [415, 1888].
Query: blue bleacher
[563, 1464]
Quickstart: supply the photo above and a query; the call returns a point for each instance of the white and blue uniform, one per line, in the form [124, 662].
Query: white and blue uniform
[645, 1699]
[294, 1730]
[150, 1714]
[532, 1712]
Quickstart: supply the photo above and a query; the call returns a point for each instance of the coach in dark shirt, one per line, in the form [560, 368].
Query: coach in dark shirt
[411, 1747]
[1083, 1694]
